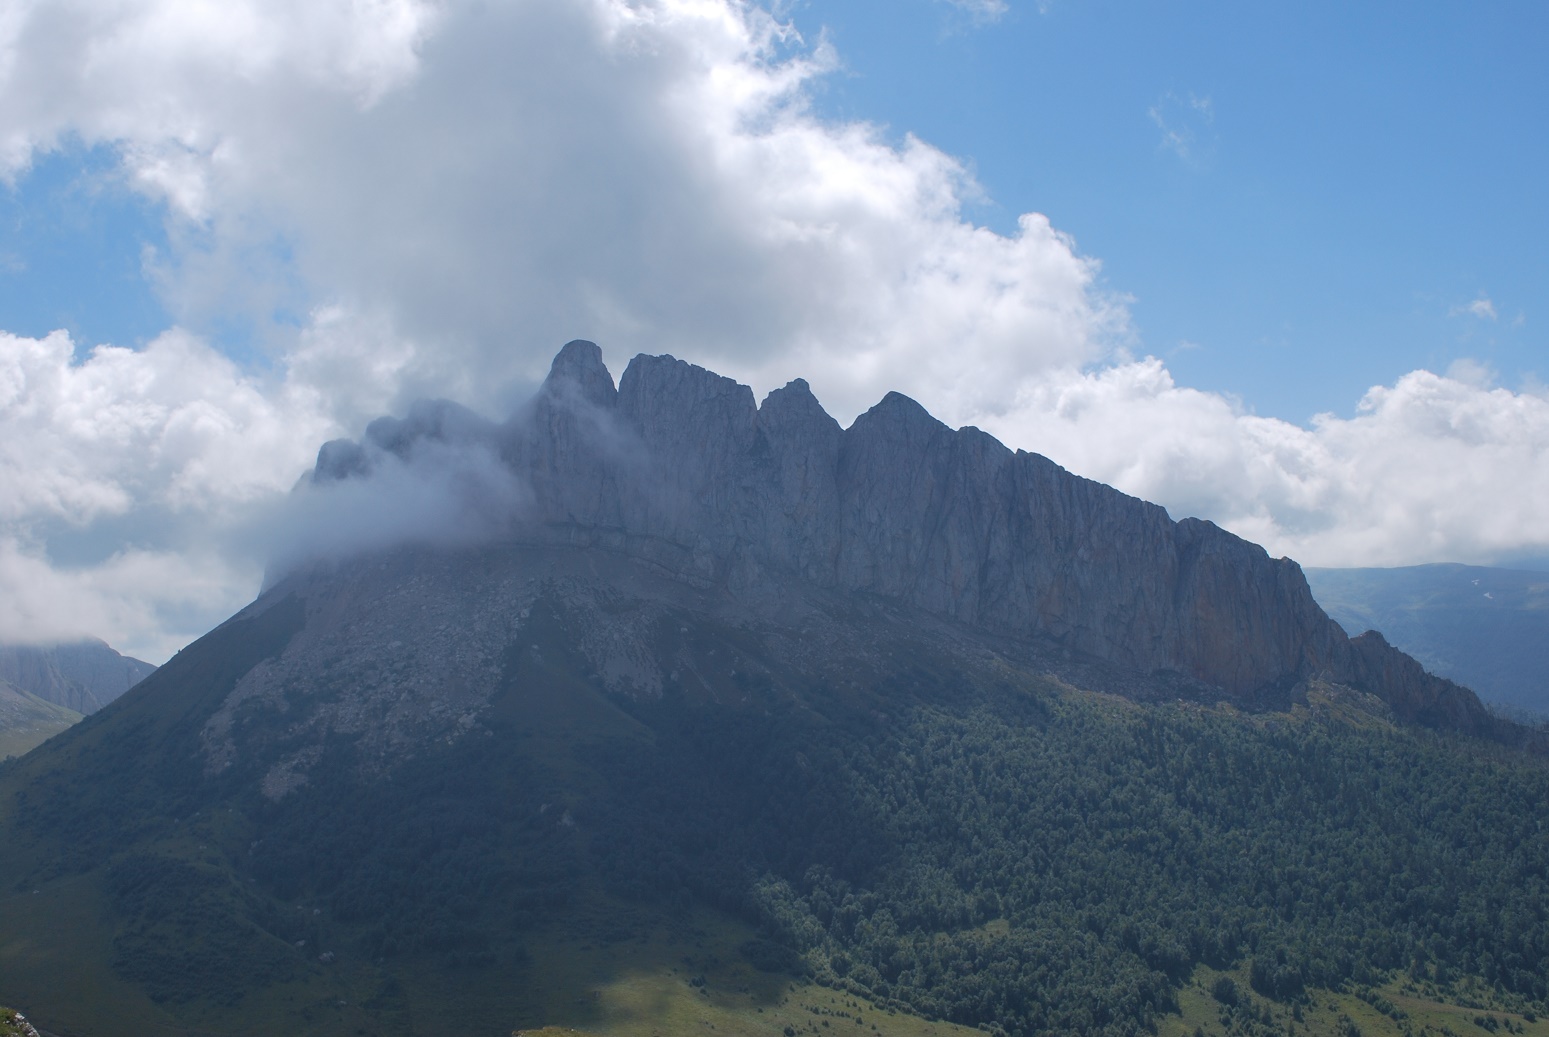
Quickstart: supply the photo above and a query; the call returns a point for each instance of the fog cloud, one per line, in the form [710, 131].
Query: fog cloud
[435, 477]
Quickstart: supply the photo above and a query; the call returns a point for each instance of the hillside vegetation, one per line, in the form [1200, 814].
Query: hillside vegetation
[1013, 854]
[27, 721]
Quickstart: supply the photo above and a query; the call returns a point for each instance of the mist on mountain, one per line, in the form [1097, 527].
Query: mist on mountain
[433, 478]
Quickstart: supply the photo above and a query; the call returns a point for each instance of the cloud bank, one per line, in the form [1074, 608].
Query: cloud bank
[408, 199]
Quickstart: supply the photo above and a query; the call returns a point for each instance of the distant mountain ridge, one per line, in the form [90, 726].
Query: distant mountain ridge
[46, 688]
[81, 675]
[1482, 626]
[679, 467]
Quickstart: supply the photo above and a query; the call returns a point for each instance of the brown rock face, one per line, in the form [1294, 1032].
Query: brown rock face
[681, 468]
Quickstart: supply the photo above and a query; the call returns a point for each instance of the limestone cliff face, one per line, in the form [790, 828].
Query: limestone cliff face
[681, 468]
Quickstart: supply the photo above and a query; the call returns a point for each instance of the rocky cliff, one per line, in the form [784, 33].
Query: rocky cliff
[680, 468]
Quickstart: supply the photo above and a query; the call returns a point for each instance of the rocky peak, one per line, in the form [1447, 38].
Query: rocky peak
[900, 422]
[579, 373]
[1414, 694]
[694, 428]
[685, 413]
[569, 445]
[678, 467]
[340, 459]
[790, 483]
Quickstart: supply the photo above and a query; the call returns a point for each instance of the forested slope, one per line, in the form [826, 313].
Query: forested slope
[1006, 851]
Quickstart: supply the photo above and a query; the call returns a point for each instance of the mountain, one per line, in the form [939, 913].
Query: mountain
[82, 676]
[680, 469]
[1484, 627]
[671, 712]
[44, 689]
[26, 720]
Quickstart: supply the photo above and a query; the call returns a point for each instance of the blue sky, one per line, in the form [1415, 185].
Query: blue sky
[73, 242]
[1281, 266]
[1302, 200]
[1342, 180]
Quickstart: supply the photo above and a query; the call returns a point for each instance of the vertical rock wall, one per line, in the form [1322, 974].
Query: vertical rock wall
[680, 466]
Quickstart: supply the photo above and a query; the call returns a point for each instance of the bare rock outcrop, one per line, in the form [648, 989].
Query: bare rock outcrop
[682, 468]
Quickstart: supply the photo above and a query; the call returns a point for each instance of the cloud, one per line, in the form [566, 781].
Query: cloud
[1430, 468]
[1472, 372]
[435, 478]
[987, 10]
[487, 180]
[139, 463]
[175, 426]
[1481, 307]
[445, 495]
[1184, 122]
[149, 75]
[149, 602]
[405, 199]
[167, 473]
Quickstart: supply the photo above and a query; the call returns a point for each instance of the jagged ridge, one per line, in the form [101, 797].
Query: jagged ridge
[680, 467]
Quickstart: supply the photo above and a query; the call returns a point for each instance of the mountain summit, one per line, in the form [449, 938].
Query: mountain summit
[680, 469]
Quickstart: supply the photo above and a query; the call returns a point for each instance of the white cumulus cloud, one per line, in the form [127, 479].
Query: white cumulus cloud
[1433, 467]
[140, 463]
[448, 191]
